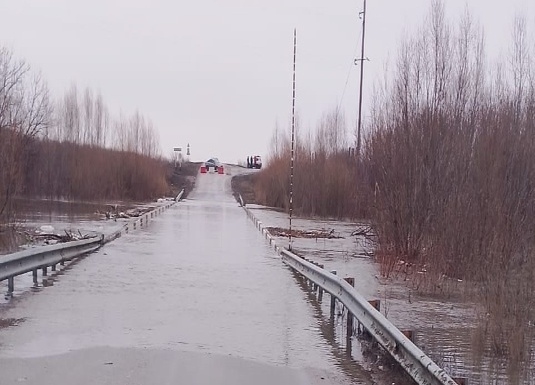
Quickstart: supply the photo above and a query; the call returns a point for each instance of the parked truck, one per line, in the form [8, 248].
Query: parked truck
[254, 162]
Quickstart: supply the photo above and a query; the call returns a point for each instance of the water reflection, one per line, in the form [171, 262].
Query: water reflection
[199, 278]
[446, 328]
[59, 216]
[359, 357]
[52, 210]
[10, 239]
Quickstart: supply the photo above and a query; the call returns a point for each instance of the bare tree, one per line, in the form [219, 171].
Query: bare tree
[280, 142]
[99, 122]
[24, 112]
[70, 116]
[520, 64]
[88, 133]
[120, 137]
[331, 134]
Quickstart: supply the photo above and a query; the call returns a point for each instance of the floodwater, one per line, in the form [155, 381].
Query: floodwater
[188, 299]
[199, 297]
[443, 328]
[83, 217]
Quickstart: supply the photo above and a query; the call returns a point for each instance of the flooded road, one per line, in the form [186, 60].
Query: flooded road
[188, 299]
[444, 327]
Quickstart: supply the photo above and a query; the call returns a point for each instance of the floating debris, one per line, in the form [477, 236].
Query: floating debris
[51, 238]
[114, 213]
[363, 231]
[6, 322]
[323, 234]
[47, 229]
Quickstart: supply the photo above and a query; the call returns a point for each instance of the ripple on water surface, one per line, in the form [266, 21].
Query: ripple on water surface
[199, 278]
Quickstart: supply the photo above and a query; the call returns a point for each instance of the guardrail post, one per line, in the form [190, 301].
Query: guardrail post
[333, 299]
[376, 303]
[351, 281]
[320, 292]
[314, 284]
[54, 267]
[414, 361]
[10, 286]
[62, 263]
[45, 271]
[311, 283]
[409, 334]
[34, 274]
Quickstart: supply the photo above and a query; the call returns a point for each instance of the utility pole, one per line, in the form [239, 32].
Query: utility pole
[293, 141]
[359, 122]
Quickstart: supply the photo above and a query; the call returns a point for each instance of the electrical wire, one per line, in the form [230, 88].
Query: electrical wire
[351, 65]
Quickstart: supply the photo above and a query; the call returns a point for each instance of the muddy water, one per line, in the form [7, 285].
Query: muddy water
[444, 328]
[198, 279]
[201, 280]
[61, 215]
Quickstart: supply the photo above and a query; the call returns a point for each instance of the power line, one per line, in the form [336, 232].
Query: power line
[351, 65]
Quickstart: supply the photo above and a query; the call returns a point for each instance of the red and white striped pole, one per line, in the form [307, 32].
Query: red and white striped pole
[293, 142]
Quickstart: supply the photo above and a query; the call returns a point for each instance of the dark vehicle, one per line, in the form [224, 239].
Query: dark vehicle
[254, 162]
[212, 162]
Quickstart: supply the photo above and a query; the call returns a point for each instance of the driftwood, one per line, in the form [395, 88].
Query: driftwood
[363, 231]
[324, 234]
[50, 238]
[114, 213]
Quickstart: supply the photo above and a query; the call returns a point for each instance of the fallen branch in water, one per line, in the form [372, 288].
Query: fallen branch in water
[324, 234]
[363, 231]
[52, 238]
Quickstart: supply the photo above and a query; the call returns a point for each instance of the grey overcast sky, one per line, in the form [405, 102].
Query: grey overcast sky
[217, 74]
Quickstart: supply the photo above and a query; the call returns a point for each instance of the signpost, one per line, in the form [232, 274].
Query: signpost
[178, 156]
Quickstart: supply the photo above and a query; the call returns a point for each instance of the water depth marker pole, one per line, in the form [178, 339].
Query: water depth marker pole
[293, 141]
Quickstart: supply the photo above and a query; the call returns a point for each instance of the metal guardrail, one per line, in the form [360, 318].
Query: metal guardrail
[179, 196]
[31, 260]
[141, 220]
[413, 360]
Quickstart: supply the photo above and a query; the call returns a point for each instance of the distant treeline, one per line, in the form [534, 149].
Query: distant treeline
[80, 172]
[446, 175]
[71, 148]
[325, 174]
